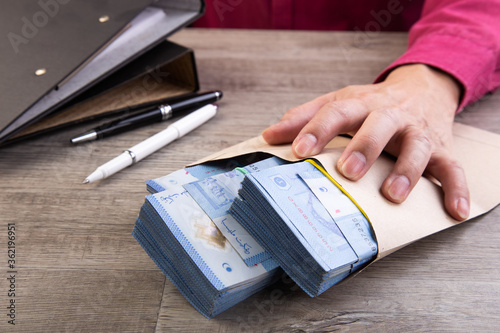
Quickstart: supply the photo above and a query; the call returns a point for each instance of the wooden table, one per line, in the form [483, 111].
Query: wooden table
[78, 269]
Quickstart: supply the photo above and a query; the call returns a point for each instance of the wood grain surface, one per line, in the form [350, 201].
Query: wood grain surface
[78, 269]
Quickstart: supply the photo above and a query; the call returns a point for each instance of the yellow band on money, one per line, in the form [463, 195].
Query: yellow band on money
[327, 175]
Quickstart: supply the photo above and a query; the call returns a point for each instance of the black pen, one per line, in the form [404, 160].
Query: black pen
[160, 113]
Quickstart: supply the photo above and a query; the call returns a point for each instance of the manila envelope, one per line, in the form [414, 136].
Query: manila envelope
[423, 213]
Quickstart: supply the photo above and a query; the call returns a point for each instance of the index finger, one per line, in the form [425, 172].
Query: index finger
[293, 121]
[334, 118]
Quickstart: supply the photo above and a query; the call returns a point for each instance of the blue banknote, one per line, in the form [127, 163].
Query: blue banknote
[165, 249]
[190, 174]
[219, 231]
[305, 214]
[316, 233]
[203, 242]
[348, 217]
[215, 195]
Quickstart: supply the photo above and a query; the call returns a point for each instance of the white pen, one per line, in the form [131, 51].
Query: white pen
[152, 144]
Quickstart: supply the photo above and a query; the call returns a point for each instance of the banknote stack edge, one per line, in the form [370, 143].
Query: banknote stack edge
[318, 244]
[222, 231]
[191, 251]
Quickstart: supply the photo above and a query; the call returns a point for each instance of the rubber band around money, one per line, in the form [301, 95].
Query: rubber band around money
[243, 171]
[327, 175]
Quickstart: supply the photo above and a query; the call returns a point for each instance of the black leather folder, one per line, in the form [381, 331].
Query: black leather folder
[56, 53]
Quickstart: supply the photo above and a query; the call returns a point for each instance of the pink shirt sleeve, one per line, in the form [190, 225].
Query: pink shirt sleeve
[460, 37]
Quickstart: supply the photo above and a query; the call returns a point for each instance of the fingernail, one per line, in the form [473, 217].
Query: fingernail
[463, 208]
[399, 188]
[305, 145]
[353, 165]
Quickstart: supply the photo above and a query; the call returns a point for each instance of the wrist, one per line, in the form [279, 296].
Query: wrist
[431, 78]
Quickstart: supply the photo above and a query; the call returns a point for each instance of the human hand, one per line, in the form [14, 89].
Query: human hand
[409, 115]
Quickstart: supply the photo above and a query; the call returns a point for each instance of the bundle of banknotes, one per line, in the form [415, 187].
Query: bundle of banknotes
[222, 231]
[305, 222]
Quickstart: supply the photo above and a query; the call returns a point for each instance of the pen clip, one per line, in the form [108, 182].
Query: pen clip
[166, 111]
[132, 155]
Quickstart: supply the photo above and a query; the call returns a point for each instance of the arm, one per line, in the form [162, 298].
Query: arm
[462, 38]
[409, 112]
